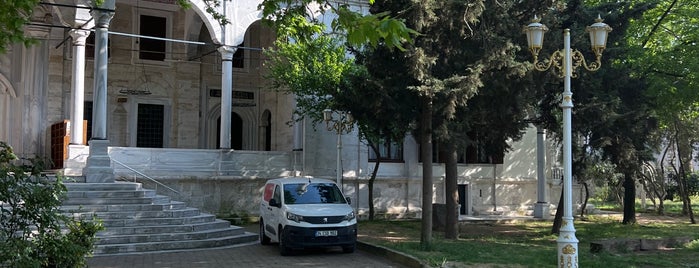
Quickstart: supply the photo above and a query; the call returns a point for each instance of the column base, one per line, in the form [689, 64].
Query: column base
[98, 168]
[541, 211]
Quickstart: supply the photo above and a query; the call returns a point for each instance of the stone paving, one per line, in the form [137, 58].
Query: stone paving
[247, 255]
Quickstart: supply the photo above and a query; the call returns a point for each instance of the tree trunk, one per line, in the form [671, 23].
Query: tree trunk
[682, 177]
[629, 200]
[372, 179]
[587, 196]
[558, 218]
[451, 230]
[426, 156]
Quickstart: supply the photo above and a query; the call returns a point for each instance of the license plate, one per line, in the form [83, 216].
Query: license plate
[326, 233]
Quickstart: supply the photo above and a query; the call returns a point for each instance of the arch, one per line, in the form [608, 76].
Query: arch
[6, 87]
[241, 15]
[249, 126]
[7, 93]
[236, 132]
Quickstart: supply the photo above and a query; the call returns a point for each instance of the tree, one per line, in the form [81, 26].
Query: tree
[315, 67]
[616, 118]
[664, 52]
[31, 223]
[458, 49]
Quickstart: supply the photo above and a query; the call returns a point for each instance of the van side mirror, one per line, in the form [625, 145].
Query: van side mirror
[349, 200]
[273, 202]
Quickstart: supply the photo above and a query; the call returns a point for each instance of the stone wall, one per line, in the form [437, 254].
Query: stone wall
[393, 198]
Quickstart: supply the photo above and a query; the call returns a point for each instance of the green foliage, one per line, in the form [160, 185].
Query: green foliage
[14, 14]
[311, 70]
[31, 233]
[373, 29]
[212, 7]
[357, 29]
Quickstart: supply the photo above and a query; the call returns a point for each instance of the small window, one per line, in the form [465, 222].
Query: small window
[390, 151]
[476, 153]
[152, 49]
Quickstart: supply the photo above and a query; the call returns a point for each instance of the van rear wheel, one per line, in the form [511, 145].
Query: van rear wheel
[264, 239]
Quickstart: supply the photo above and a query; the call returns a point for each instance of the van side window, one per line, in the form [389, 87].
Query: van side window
[277, 194]
[269, 190]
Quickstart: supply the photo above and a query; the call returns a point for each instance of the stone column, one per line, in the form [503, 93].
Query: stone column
[33, 90]
[98, 167]
[78, 86]
[298, 142]
[226, 94]
[541, 209]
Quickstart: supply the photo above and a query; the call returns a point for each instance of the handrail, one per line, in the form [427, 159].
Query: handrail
[144, 175]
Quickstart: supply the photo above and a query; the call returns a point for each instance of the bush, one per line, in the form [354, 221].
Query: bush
[33, 232]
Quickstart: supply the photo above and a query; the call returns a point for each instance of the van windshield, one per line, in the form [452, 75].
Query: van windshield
[312, 193]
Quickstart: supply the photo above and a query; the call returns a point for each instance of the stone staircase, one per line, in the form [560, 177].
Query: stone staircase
[139, 220]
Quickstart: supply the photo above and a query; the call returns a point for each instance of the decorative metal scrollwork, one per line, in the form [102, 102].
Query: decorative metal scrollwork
[557, 60]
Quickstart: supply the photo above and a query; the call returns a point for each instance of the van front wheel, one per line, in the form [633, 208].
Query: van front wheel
[283, 249]
[348, 249]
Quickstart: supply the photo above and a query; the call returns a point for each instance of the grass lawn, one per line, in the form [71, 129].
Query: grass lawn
[531, 244]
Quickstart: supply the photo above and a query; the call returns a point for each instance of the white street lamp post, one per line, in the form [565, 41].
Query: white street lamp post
[344, 123]
[566, 61]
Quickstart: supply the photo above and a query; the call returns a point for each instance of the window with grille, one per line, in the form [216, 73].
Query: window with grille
[149, 133]
[476, 153]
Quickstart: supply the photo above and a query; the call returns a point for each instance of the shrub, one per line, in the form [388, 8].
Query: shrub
[33, 232]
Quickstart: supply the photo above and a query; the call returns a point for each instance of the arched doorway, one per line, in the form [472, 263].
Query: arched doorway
[236, 132]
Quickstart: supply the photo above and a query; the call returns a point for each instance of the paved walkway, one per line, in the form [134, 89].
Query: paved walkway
[249, 255]
[256, 255]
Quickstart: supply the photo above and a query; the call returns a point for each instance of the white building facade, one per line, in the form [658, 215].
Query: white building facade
[157, 86]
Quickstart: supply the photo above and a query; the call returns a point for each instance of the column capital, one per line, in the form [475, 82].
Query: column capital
[40, 16]
[227, 52]
[102, 18]
[79, 36]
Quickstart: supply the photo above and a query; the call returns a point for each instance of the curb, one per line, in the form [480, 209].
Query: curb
[395, 256]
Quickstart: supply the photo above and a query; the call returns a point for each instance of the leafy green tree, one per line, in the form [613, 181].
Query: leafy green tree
[462, 46]
[615, 119]
[31, 232]
[313, 64]
[664, 51]
[320, 73]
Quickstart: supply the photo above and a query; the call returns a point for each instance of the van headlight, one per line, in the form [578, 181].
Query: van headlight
[294, 217]
[350, 216]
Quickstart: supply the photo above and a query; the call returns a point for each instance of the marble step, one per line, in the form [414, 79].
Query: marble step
[115, 249]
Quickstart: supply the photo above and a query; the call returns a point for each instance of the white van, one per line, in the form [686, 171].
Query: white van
[306, 212]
